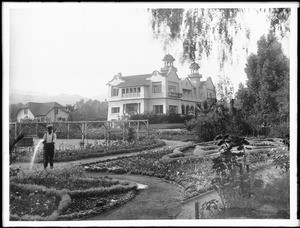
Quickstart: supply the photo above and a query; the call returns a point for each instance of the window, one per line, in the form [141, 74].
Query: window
[131, 108]
[156, 87]
[130, 90]
[26, 111]
[114, 92]
[173, 109]
[172, 88]
[139, 89]
[123, 91]
[134, 90]
[158, 109]
[115, 110]
[56, 111]
[187, 92]
[127, 90]
[209, 94]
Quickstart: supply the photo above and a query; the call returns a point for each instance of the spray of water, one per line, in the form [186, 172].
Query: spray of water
[34, 153]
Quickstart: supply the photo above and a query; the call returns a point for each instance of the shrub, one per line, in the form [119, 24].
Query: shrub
[161, 118]
[206, 126]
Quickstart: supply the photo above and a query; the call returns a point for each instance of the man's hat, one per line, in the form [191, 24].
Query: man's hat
[49, 125]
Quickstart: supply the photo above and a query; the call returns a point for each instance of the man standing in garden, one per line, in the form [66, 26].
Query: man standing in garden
[49, 142]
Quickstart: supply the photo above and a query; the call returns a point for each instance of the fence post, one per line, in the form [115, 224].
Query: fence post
[123, 130]
[138, 130]
[82, 131]
[196, 210]
[16, 130]
[242, 178]
[147, 129]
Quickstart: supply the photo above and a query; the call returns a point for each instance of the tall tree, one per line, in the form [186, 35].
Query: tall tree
[70, 109]
[268, 79]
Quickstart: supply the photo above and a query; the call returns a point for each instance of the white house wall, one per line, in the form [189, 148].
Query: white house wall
[22, 115]
[60, 114]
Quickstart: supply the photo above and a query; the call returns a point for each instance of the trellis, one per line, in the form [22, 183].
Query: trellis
[83, 126]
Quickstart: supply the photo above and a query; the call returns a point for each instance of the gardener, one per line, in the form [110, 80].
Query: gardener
[49, 141]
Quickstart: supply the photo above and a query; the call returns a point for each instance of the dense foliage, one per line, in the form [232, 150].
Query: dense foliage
[161, 118]
[267, 93]
[199, 30]
[89, 110]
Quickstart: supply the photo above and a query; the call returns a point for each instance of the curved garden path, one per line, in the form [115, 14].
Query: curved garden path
[159, 200]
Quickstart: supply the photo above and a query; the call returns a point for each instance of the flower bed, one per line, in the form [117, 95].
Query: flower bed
[35, 203]
[84, 207]
[191, 173]
[64, 195]
[118, 147]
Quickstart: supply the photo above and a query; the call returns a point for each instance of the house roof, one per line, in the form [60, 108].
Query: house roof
[41, 109]
[202, 84]
[135, 80]
[188, 80]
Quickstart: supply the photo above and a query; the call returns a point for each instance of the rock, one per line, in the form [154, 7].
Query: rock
[198, 151]
[176, 154]
[165, 158]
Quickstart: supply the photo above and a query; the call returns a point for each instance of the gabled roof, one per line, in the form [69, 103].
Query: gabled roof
[188, 80]
[41, 109]
[135, 80]
[202, 84]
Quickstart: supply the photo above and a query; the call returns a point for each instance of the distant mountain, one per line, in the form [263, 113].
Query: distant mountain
[17, 96]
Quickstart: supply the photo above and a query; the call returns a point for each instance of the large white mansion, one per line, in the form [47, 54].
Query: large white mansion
[160, 92]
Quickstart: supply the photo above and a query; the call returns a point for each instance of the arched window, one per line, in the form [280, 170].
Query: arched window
[182, 109]
[187, 109]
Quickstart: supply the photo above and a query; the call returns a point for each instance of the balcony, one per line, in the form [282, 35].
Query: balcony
[175, 94]
[129, 95]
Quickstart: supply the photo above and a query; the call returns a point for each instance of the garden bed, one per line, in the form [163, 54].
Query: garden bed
[191, 173]
[35, 203]
[118, 147]
[64, 194]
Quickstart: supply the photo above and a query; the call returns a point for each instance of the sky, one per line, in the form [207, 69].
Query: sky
[77, 49]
